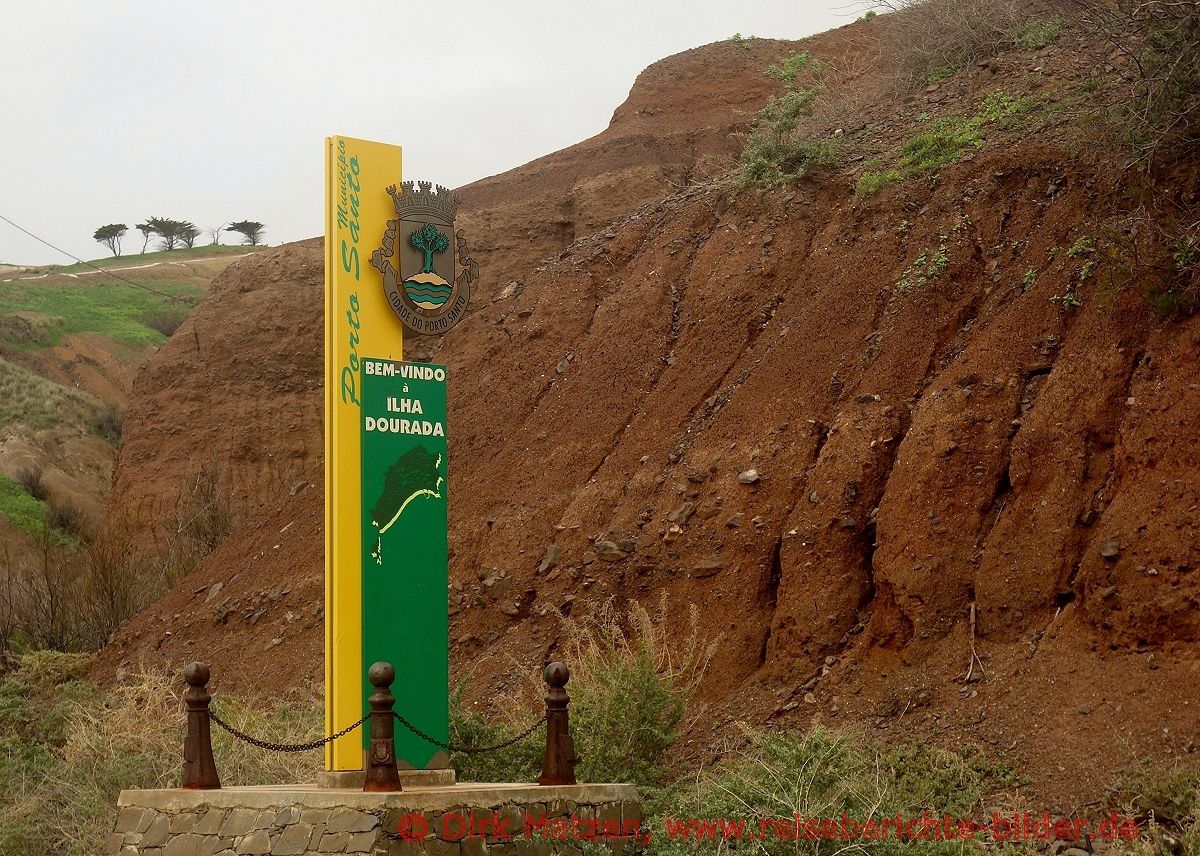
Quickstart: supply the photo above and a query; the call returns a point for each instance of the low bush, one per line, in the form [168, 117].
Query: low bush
[1169, 795]
[938, 37]
[67, 517]
[109, 423]
[775, 152]
[32, 480]
[825, 775]
[83, 579]
[631, 680]
[630, 684]
[165, 319]
[1150, 67]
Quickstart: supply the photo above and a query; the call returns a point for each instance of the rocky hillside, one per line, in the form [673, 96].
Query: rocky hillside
[677, 124]
[908, 482]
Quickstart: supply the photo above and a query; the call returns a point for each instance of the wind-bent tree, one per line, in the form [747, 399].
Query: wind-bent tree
[188, 233]
[215, 234]
[428, 240]
[251, 230]
[170, 231]
[111, 236]
[147, 230]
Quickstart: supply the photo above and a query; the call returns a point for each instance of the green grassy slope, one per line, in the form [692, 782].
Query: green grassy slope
[106, 306]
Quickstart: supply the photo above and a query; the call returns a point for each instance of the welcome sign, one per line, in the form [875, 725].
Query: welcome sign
[385, 478]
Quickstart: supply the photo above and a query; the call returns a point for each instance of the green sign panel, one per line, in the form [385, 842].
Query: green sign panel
[404, 554]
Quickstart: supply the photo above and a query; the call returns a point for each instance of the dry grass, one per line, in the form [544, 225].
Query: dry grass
[633, 675]
[633, 678]
[931, 39]
[39, 403]
[79, 753]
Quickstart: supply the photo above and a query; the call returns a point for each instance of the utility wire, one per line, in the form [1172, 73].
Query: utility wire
[186, 300]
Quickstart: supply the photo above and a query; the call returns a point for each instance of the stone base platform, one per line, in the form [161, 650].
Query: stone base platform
[408, 779]
[464, 819]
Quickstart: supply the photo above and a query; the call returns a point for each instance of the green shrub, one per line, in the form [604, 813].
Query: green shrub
[521, 762]
[946, 140]
[774, 153]
[1171, 795]
[1037, 33]
[786, 70]
[769, 162]
[822, 775]
[629, 686]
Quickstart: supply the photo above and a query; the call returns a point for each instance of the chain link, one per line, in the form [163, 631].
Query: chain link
[468, 750]
[317, 744]
[283, 747]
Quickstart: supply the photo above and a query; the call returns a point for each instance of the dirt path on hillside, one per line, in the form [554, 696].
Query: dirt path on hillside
[84, 273]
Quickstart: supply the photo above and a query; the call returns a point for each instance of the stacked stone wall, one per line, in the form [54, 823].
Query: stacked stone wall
[194, 826]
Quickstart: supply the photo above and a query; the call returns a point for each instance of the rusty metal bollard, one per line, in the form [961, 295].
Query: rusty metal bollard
[199, 768]
[382, 774]
[558, 764]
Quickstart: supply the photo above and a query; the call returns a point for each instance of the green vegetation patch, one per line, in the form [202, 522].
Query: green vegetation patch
[947, 140]
[775, 154]
[1037, 33]
[786, 70]
[25, 512]
[108, 307]
[926, 267]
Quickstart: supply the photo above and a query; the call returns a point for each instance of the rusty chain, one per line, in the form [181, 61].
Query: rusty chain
[468, 750]
[283, 747]
[317, 744]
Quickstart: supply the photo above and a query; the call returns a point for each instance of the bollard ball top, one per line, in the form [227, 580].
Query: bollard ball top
[556, 675]
[196, 674]
[381, 675]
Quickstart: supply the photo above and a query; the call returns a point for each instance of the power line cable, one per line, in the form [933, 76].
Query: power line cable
[186, 300]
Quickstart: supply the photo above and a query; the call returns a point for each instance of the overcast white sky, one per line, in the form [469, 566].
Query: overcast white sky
[216, 110]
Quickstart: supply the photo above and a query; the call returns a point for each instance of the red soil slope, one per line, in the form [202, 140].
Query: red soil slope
[964, 446]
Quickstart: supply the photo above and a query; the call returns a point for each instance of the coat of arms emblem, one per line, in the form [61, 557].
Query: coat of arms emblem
[427, 269]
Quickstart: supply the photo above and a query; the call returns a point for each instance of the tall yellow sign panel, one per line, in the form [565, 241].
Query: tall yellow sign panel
[358, 324]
